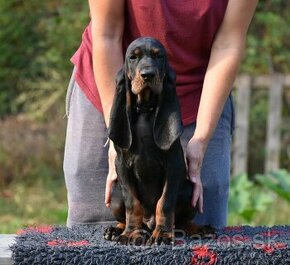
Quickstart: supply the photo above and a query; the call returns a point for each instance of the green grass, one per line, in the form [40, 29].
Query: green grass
[25, 205]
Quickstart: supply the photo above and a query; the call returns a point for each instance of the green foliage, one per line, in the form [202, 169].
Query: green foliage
[269, 38]
[37, 39]
[278, 182]
[256, 203]
[18, 48]
[246, 199]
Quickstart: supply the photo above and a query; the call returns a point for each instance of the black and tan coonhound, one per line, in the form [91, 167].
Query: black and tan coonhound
[152, 190]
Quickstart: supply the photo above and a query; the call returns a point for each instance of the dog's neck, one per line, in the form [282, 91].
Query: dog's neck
[145, 102]
[144, 109]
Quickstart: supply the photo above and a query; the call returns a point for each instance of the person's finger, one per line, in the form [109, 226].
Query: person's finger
[193, 179]
[200, 202]
[194, 155]
[108, 191]
[193, 174]
[196, 194]
[112, 176]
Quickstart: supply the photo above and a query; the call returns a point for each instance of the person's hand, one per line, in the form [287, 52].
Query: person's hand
[112, 175]
[194, 156]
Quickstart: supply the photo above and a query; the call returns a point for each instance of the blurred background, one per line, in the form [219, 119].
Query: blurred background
[37, 39]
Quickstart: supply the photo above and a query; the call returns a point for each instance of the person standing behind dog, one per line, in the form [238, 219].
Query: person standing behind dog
[205, 41]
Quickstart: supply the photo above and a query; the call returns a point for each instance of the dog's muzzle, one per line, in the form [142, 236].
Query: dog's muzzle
[147, 74]
[147, 78]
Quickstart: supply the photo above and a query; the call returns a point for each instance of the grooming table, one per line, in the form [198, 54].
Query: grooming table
[85, 245]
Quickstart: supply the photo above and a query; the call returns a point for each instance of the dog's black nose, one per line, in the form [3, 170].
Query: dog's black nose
[147, 74]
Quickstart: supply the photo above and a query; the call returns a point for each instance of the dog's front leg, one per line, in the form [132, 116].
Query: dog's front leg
[133, 233]
[165, 209]
[134, 217]
[163, 232]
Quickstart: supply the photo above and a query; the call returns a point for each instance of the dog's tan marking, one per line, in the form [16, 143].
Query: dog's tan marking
[164, 219]
[121, 225]
[155, 84]
[134, 217]
[137, 51]
[137, 83]
[164, 222]
[158, 232]
[155, 51]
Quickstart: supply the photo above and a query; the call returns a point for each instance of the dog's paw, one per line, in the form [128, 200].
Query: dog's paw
[160, 241]
[137, 237]
[112, 233]
[160, 237]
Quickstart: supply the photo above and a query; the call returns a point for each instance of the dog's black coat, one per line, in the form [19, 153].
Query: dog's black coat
[145, 127]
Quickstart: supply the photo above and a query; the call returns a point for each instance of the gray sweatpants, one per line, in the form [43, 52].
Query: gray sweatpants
[85, 163]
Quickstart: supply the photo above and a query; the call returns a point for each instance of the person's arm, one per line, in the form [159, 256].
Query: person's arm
[226, 53]
[107, 18]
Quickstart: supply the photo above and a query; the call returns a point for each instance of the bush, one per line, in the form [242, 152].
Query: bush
[242, 203]
[262, 201]
[37, 39]
[277, 182]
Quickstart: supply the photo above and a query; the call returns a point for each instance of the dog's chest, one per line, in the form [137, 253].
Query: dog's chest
[148, 158]
[143, 140]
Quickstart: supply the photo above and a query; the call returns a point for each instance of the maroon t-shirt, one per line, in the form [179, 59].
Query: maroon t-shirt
[186, 28]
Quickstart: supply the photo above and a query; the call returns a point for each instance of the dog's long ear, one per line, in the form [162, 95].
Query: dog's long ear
[120, 117]
[168, 124]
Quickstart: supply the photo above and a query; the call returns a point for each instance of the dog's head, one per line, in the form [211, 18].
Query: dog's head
[146, 65]
[146, 83]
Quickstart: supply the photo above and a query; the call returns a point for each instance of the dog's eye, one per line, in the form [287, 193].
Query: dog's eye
[133, 57]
